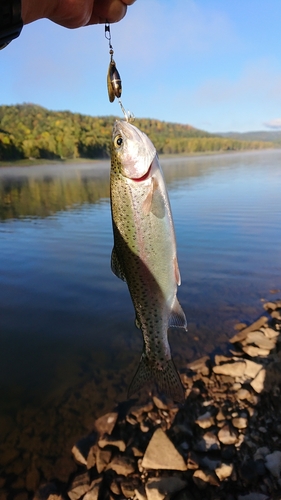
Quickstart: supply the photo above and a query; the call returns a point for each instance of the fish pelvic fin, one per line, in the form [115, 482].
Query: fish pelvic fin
[177, 317]
[166, 378]
[116, 266]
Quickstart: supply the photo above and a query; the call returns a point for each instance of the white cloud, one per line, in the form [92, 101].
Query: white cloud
[274, 124]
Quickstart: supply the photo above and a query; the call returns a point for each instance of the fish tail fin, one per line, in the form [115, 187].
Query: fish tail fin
[167, 379]
[143, 375]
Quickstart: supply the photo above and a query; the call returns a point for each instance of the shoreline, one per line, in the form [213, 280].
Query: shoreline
[223, 443]
[103, 161]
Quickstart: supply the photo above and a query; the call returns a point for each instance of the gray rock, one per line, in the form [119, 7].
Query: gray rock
[224, 471]
[122, 465]
[162, 454]
[79, 486]
[160, 487]
[227, 435]
[106, 423]
[273, 463]
[208, 442]
[203, 478]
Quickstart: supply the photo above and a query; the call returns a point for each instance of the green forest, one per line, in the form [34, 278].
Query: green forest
[29, 131]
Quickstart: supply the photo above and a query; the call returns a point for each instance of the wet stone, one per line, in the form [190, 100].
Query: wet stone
[103, 458]
[79, 486]
[240, 422]
[200, 365]
[260, 340]
[258, 383]
[122, 465]
[161, 487]
[235, 369]
[206, 420]
[263, 320]
[109, 441]
[93, 492]
[227, 435]
[106, 423]
[254, 351]
[162, 454]
[224, 471]
[203, 478]
[208, 442]
[81, 449]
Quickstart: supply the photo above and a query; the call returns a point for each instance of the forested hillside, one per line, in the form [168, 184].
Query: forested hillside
[30, 131]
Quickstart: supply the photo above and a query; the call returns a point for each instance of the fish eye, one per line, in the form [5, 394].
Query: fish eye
[118, 141]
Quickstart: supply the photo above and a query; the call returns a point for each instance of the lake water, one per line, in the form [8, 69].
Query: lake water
[68, 344]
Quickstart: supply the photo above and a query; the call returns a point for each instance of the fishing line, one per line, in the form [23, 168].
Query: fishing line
[114, 82]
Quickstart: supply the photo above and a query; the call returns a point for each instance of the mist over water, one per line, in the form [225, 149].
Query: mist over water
[66, 320]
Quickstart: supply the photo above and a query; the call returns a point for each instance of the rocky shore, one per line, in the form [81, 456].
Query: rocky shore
[223, 444]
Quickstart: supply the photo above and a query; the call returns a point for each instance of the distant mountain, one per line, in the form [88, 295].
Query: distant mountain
[262, 135]
[30, 131]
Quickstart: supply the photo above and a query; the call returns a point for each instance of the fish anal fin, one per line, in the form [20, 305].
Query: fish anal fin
[137, 323]
[177, 271]
[177, 317]
[116, 266]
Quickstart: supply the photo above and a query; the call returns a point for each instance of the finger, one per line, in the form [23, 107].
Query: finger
[110, 11]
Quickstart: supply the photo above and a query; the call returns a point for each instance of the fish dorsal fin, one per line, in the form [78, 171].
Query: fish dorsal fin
[177, 271]
[116, 266]
[177, 318]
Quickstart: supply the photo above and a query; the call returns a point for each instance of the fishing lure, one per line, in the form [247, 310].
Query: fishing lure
[114, 82]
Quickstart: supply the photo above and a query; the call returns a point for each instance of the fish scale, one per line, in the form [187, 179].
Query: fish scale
[144, 253]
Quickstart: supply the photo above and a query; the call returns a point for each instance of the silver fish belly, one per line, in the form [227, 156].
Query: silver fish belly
[144, 253]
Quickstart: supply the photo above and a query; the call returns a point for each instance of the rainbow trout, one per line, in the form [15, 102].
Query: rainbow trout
[144, 253]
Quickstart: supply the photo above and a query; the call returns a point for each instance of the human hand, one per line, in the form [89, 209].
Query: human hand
[75, 13]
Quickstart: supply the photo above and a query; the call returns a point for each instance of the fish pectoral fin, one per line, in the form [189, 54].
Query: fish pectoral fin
[177, 271]
[116, 266]
[177, 318]
[146, 206]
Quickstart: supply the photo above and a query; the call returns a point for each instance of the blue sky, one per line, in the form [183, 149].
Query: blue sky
[214, 64]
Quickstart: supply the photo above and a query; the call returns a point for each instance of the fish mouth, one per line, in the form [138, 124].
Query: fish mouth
[144, 177]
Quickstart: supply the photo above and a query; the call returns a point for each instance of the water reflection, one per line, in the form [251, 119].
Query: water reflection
[68, 345]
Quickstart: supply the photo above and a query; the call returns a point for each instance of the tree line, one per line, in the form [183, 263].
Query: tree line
[31, 131]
